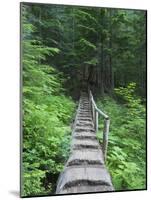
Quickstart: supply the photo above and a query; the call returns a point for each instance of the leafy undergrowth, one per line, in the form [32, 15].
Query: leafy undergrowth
[126, 157]
[47, 115]
[45, 143]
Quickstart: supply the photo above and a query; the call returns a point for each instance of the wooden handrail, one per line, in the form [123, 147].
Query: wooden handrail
[95, 115]
[96, 108]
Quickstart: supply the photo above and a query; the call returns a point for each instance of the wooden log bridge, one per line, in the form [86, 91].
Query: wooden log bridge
[85, 169]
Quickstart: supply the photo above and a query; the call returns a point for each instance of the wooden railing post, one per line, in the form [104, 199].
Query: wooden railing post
[95, 114]
[93, 111]
[96, 121]
[105, 137]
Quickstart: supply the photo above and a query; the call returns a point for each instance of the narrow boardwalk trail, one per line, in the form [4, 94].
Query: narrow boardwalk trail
[85, 170]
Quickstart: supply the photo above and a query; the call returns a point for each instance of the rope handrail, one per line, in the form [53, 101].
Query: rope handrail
[95, 115]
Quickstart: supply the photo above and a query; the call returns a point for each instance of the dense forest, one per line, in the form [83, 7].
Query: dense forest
[63, 49]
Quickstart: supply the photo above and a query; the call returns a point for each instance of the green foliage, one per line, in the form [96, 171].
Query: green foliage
[57, 44]
[87, 44]
[85, 15]
[93, 61]
[46, 139]
[47, 113]
[87, 28]
[32, 181]
[126, 154]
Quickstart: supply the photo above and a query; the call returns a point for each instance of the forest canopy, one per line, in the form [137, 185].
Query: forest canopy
[64, 48]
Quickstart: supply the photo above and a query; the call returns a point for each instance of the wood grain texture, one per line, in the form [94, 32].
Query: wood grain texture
[85, 170]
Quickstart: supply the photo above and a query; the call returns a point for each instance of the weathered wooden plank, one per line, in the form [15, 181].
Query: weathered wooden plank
[86, 157]
[79, 144]
[85, 170]
[86, 129]
[81, 125]
[84, 123]
[84, 135]
[84, 176]
[86, 189]
[86, 114]
[81, 118]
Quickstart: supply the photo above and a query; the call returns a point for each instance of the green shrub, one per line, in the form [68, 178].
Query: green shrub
[127, 142]
[47, 115]
[46, 138]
